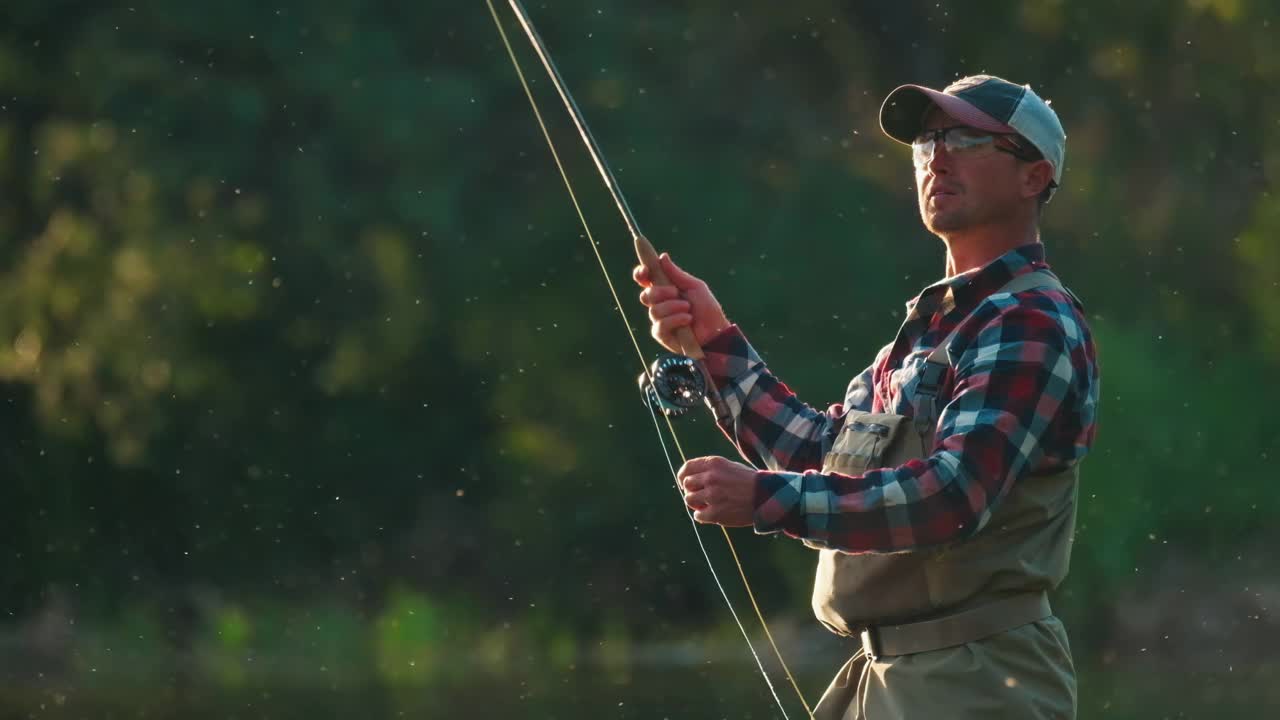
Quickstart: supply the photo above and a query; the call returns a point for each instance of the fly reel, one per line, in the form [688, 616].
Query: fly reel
[678, 384]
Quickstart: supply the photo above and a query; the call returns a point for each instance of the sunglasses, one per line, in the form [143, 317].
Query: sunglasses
[964, 141]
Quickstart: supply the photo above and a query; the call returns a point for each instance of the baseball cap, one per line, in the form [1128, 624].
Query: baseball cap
[985, 102]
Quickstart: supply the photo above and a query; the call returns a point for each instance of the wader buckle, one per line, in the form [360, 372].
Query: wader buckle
[870, 643]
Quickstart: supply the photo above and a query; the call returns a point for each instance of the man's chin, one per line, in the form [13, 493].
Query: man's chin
[940, 222]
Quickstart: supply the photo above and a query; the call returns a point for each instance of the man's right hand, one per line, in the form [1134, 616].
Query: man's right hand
[689, 303]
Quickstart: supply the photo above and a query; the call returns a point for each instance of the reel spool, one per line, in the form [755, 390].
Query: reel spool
[678, 384]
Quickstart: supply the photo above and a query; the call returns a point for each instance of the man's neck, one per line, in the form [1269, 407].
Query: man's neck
[970, 250]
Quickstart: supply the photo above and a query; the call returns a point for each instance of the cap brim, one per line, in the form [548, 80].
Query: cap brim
[902, 114]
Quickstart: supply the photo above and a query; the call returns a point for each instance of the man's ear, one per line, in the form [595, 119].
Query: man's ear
[1036, 178]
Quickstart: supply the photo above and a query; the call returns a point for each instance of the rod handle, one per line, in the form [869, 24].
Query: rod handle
[649, 258]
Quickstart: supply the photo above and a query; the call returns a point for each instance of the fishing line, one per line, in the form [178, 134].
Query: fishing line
[605, 173]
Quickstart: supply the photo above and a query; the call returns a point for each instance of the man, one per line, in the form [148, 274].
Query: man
[941, 493]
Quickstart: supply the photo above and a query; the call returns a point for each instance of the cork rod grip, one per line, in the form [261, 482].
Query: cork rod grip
[649, 258]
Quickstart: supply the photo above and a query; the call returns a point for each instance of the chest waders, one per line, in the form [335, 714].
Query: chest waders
[961, 631]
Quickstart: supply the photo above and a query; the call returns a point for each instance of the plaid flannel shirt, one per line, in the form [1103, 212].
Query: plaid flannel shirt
[1020, 395]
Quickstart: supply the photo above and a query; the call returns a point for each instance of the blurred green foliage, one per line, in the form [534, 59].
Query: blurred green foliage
[298, 329]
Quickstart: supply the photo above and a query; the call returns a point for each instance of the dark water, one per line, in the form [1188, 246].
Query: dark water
[697, 692]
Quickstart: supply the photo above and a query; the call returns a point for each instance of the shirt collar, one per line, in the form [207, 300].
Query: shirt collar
[972, 285]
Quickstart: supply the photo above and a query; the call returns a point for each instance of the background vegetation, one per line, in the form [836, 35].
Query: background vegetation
[314, 402]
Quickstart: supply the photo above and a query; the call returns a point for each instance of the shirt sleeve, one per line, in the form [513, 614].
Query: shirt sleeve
[763, 418]
[1011, 380]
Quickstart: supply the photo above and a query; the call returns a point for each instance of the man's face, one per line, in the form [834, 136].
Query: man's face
[957, 193]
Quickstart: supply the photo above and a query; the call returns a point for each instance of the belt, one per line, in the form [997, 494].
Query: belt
[957, 629]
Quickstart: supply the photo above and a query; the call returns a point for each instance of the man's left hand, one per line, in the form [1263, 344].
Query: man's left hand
[719, 491]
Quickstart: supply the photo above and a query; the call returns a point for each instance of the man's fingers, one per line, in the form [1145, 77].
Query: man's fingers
[717, 490]
[655, 294]
[693, 483]
[705, 516]
[702, 496]
[707, 462]
[697, 500]
[698, 465]
[667, 326]
[670, 307]
[678, 277]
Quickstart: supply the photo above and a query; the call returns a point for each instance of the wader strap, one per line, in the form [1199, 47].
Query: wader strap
[958, 629]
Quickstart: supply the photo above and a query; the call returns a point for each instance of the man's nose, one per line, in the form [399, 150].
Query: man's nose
[939, 158]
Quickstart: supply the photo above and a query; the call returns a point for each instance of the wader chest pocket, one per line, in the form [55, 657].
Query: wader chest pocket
[864, 442]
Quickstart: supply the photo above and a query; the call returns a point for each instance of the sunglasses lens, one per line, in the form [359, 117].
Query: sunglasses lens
[922, 152]
[964, 140]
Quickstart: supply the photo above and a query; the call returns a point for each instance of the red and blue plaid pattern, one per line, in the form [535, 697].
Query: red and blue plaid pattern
[1021, 395]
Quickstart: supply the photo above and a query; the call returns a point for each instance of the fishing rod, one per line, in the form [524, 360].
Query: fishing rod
[675, 382]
